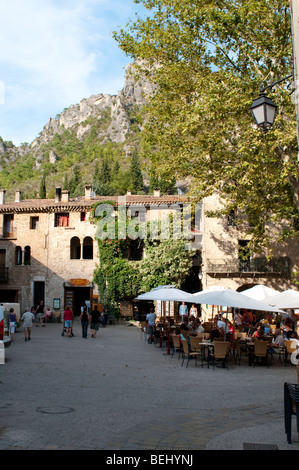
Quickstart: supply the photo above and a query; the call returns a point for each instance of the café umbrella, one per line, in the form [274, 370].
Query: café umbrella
[260, 292]
[166, 293]
[230, 298]
[286, 299]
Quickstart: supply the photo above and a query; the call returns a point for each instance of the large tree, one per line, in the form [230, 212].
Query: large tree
[208, 59]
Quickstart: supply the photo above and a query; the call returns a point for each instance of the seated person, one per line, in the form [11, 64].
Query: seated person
[278, 342]
[259, 333]
[215, 333]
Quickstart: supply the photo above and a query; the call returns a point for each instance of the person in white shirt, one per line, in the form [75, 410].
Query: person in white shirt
[223, 328]
[27, 320]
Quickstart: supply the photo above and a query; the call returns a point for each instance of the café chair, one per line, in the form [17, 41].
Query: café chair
[260, 352]
[289, 349]
[291, 408]
[189, 354]
[176, 345]
[220, 354]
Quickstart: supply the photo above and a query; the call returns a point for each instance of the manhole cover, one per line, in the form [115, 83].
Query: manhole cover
[249, 446]
[55, 410]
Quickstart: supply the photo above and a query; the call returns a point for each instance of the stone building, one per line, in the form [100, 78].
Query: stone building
[48, 249]
[224, 244]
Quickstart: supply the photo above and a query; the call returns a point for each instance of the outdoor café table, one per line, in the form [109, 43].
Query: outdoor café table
[207, 350]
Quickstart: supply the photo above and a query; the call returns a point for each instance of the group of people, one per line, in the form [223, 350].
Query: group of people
[40, 316]
[250, 322]
[94, 318]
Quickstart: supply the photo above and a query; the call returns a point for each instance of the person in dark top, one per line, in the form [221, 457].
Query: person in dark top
[95, 321]
[84, 317]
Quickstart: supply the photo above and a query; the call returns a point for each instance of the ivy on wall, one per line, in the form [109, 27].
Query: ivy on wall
[166, 261]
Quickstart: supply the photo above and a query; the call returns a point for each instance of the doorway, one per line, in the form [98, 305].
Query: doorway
[75, 298]
[39, 293]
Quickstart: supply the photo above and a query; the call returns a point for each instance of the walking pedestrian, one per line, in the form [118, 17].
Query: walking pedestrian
[84, 317]
[151, 325]
[12, 323]
[183, 311]
[27, 320]
[68, 321]
[39, 312]
[95, 321]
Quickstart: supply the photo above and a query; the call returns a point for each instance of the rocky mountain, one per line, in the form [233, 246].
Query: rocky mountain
[114, 110]
[76, 134]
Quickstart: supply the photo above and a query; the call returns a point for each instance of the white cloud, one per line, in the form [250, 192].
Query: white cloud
[54, 53]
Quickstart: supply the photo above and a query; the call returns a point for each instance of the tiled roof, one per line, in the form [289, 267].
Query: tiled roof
[81, 203]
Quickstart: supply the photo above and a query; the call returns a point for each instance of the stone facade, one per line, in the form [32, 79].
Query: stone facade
[48, 249]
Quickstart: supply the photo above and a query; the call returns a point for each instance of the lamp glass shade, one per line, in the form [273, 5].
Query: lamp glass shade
[264, 111]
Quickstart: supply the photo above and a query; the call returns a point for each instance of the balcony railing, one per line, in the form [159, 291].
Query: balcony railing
[252, 268]
[8, 232]
[3, 274]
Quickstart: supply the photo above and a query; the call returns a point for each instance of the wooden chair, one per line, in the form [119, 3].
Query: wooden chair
[189, 354]
[176, 345]
[260, 351]
[291, 407]
[195, 344]
[220, 355]
[290, 347]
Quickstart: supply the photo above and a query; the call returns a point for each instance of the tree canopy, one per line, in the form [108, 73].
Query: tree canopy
[208, 59]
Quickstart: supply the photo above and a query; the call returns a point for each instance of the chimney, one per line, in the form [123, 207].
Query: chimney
[58, 195]
[18, 196]
[2, 196]
[156, 192]
[129, 193]
[88, 190]
[65, 196]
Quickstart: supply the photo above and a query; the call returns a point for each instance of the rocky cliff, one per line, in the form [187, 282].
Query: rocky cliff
[110, 116]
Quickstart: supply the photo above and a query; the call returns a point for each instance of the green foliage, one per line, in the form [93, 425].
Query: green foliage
[42, 188]
[136, 178]
[166, 262]
[212, 58]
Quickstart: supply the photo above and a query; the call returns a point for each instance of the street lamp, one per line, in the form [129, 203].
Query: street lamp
[263, 109]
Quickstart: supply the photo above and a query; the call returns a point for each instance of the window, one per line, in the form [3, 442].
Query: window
[34, 221]
[8, 228]
[18, 256]
[75, 248]
[88, 248]
[83, 216]
[27, 255]
[61, 219]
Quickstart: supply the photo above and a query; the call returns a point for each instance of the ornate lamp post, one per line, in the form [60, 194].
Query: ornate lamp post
[263, 109]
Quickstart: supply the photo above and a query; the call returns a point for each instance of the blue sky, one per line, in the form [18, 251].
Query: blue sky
[54, 53]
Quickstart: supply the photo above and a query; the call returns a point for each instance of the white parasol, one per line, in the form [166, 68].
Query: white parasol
[260, 292]
[166, 293]
[286, 299]
[230, 298]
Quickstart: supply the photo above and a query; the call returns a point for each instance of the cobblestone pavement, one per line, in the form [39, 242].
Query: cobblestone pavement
[117, 392]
